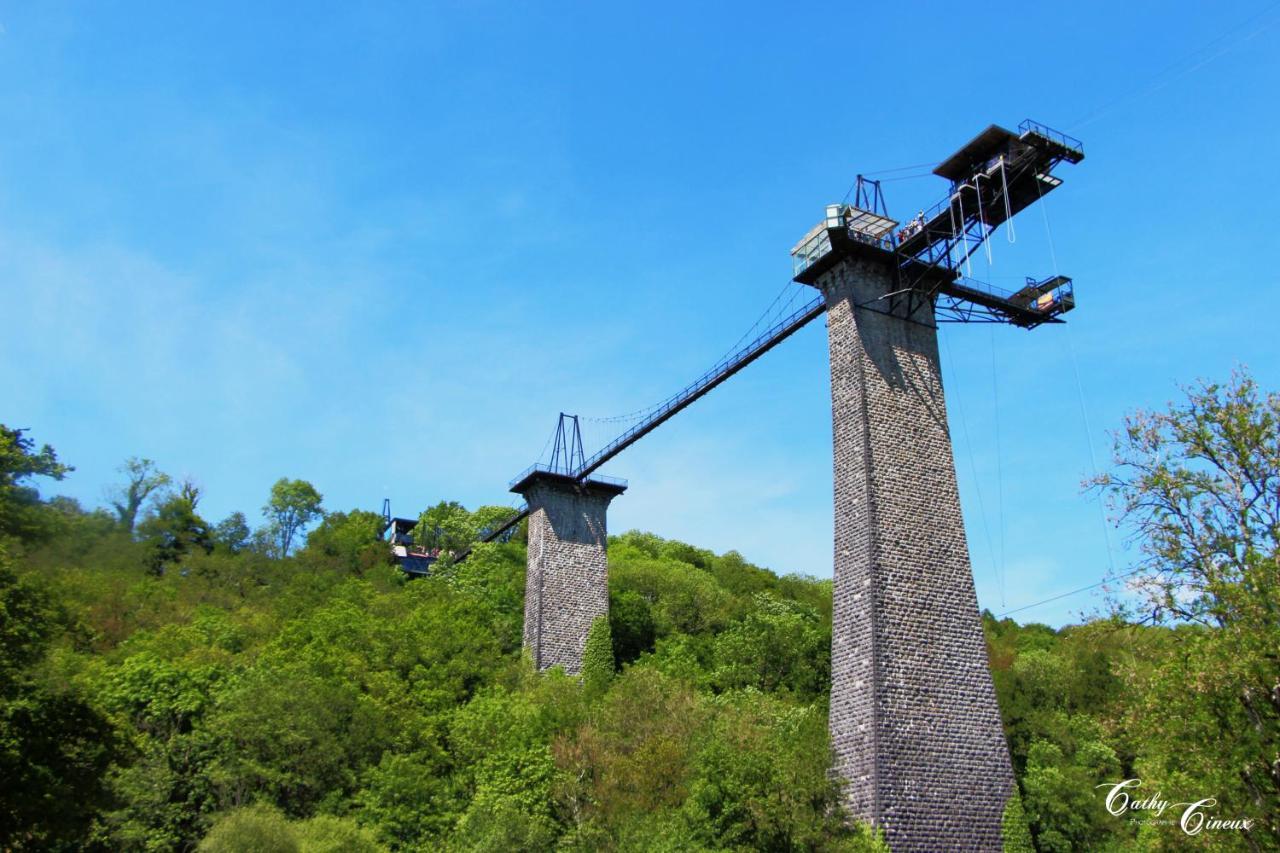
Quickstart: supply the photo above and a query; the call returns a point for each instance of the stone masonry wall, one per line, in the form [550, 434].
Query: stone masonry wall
[567, 583]
[914, 723]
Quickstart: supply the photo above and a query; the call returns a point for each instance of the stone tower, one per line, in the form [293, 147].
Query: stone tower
[914, 723]
[567, 580]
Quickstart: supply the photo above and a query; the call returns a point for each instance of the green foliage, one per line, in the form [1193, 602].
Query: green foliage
[349, 542]
[597, 657]
[330, 834]
[778, 645]
[176, 530]
[1017, 838]
[258, 828]
[22, 515]
[630, 625]
[233, 533]
[447, 526]
[189, 687]
[263, 829]
[450, 527]
[143, 482]
[1197, 486]
[54, 748]
[293, 505]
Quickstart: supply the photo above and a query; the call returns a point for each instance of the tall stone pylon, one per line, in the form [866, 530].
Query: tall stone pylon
[567, 578]
[915, 727]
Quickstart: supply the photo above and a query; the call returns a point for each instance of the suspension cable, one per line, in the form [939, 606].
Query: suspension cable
[1075, 370]
[1062, 595]
[973, 468]
[769, 313]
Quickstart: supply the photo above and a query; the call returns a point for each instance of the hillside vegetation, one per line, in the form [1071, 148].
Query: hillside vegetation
[167, 684]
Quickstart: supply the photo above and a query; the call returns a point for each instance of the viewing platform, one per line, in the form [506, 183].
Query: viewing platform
[994, 176]
[547, 472]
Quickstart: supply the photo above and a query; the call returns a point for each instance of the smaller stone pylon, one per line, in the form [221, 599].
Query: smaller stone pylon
[567, 581]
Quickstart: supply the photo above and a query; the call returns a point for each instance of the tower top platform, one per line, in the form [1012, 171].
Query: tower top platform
[534, 474]
[992, 178]
[984, 151]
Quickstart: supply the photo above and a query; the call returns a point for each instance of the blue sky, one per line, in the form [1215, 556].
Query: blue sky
[381, 249]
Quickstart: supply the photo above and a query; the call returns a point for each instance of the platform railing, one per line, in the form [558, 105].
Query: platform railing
[1049, 133]
[983, 287]
[1063, 294]
[542, 467]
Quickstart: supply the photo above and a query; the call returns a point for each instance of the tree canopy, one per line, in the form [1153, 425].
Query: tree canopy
[292, 507]
[177, 686]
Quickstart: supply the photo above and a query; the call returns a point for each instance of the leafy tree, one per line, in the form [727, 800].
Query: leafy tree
[262, 829]
[175, 529]
[778, 645]
[233, 533]
[597, 657]
[294, 504]
[447, 526]
[630, 624]
[1199, 487]
[348, 541]
[143, 481]
[258, 828]
[493, 578]
[1017, 838]
[489, 518]
[21, 514]
[165, 792]
[759, 782]
[54, 748]
[330, 834]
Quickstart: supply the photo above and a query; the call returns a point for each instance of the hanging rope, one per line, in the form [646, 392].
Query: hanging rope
[1075, 370]
[995, 398]
[968, 263]
[996, 569]
[986, 244]
[1008, 211]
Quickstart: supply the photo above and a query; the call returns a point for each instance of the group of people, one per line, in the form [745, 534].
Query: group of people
[915, 226]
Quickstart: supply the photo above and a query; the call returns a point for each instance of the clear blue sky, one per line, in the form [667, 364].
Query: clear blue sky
[380, 250]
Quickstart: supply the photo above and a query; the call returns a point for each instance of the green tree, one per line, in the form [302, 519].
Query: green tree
[778, 645]
[143, 481]
[54, 748]
[293, 505]
[1017, 838]
[597, 657]
[262, 829]
[1199, 487]
[21, 514]
[176, 529]
[630, 624]
[759, 781]
[487, 519]
[348, 541]
[233, 533]
[447, 526]
[259, 828]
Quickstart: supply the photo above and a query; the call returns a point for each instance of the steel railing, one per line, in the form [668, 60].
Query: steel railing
[1049, 133]
[718, 373]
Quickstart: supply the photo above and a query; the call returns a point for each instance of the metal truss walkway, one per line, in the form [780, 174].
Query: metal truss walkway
[700, 387]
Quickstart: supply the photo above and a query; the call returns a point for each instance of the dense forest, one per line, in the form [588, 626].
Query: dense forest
[167, 683]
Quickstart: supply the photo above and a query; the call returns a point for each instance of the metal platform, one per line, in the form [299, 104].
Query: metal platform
[539, 471]
[994, 176]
